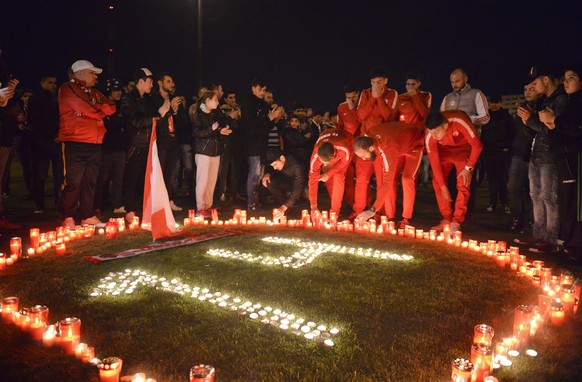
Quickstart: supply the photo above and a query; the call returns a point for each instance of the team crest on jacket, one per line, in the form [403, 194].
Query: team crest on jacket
[452, 102]
[455, 133]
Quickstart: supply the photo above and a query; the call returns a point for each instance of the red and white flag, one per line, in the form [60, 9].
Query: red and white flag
[157, 213]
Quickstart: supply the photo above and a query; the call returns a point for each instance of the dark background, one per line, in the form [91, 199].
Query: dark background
[306, 50]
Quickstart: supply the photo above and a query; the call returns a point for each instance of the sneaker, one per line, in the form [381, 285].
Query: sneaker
[506, 210]
[543, 247]
[38, 212]
[129, 217]
[120, 210]
[455, 227]
[69, 223]
[530, 240]
[5, 224]
[441, 225]
[403, 223]
[174, 207]
[490, 209]
[94, 220]
[223, 198]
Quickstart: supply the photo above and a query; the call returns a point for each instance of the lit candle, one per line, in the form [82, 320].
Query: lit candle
[109, 369]
[522, 323]
[2, 262]
[88, 354]
[202, 373]
[101, 231]
[567, 297]
[482, 360]
[61, 249]
[38, 316]
[462, 369]
[80, 350]
[34, 237]
[70, 334]
[557, 314]
[111, 229]
[49, 335]
[9, 305]
[483, 334]
[30, 251]
[16, 246]
[500, 349]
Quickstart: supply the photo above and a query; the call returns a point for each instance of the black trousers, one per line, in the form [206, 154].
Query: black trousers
[168, 156]
[569, 197]
[133, 178]
[46, 153]
[81, 163]
[497, 166]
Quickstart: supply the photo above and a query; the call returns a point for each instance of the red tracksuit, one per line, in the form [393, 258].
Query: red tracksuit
[459, 147]
[371, 112]
[399, 149]
[336, 169]
[347, 119]
[413, 109]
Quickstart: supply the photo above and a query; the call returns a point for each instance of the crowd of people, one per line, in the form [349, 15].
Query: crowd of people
[223, 145]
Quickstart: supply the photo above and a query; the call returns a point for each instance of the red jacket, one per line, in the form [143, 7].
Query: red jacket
[348, 119]
[342, 143]
[413, 109]
[392, 140]
[373, 111]
[81, 113]
[460, 140]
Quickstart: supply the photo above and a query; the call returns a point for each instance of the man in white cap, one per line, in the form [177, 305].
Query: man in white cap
[81, 132]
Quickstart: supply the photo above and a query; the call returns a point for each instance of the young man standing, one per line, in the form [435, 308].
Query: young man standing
[377, 105]
[452, 142]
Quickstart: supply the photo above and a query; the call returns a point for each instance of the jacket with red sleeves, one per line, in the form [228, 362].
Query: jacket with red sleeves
[460, 141]
[347, 119]
[373, 111]
[342, 143]
[81, 113]
[413, 109]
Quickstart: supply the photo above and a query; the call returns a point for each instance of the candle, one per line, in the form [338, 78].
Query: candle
[557, 314]
[2, 262]
[510, 342]
[101, 231]
[70, 334]
[522, 323]
[80, 350]
[49, 335]
[501, 349]
[462, 369]
[483, 334]
[202, 373]
[34, 237]
[111, 229]
[501, 246]
[109, 369]
[482, 360]
[24, 321]
[61, 249]
[16, 246]
[38, 316]
[567, 297]
[9, 305]
[88, 354]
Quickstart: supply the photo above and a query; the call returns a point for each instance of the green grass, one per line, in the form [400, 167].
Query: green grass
[399, 321]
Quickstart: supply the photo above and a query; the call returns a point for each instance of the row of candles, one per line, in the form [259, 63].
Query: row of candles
[67, 335]
[58, 239]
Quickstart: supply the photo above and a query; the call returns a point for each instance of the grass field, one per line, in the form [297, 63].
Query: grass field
[398, 320]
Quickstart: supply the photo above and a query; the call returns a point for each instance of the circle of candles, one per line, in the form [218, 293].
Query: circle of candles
[202, 373]
[9, 305]
[462, 369]
[483, 334]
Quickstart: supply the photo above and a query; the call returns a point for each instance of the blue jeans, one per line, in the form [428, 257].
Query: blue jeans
[519, 188]
[543, 188]
[253, 180]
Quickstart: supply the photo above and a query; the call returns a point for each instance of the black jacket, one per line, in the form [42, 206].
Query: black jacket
[139, 113]
[541, 153]
[255, 125]
[295, 173]
[208, 141]
[567, 136]
[116, 136]
[295, 142]
[165, 138]
[523, 137]
[43, 115]
[497, 134]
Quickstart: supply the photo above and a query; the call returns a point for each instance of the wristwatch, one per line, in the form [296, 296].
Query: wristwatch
[469, 168]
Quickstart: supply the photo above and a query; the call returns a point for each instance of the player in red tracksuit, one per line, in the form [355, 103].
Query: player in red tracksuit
[452, 141]
[413, 106]
[347, 120]
[332, 154]
[377, 105]
[392, 147]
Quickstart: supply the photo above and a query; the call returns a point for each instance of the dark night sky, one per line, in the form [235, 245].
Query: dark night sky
[306, 50]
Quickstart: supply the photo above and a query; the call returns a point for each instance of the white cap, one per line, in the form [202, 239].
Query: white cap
[84, 64]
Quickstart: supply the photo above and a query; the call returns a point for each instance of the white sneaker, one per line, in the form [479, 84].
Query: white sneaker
[92, 220]
[455, 227]
[174, 207]
[120, 210]
[69, 223]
